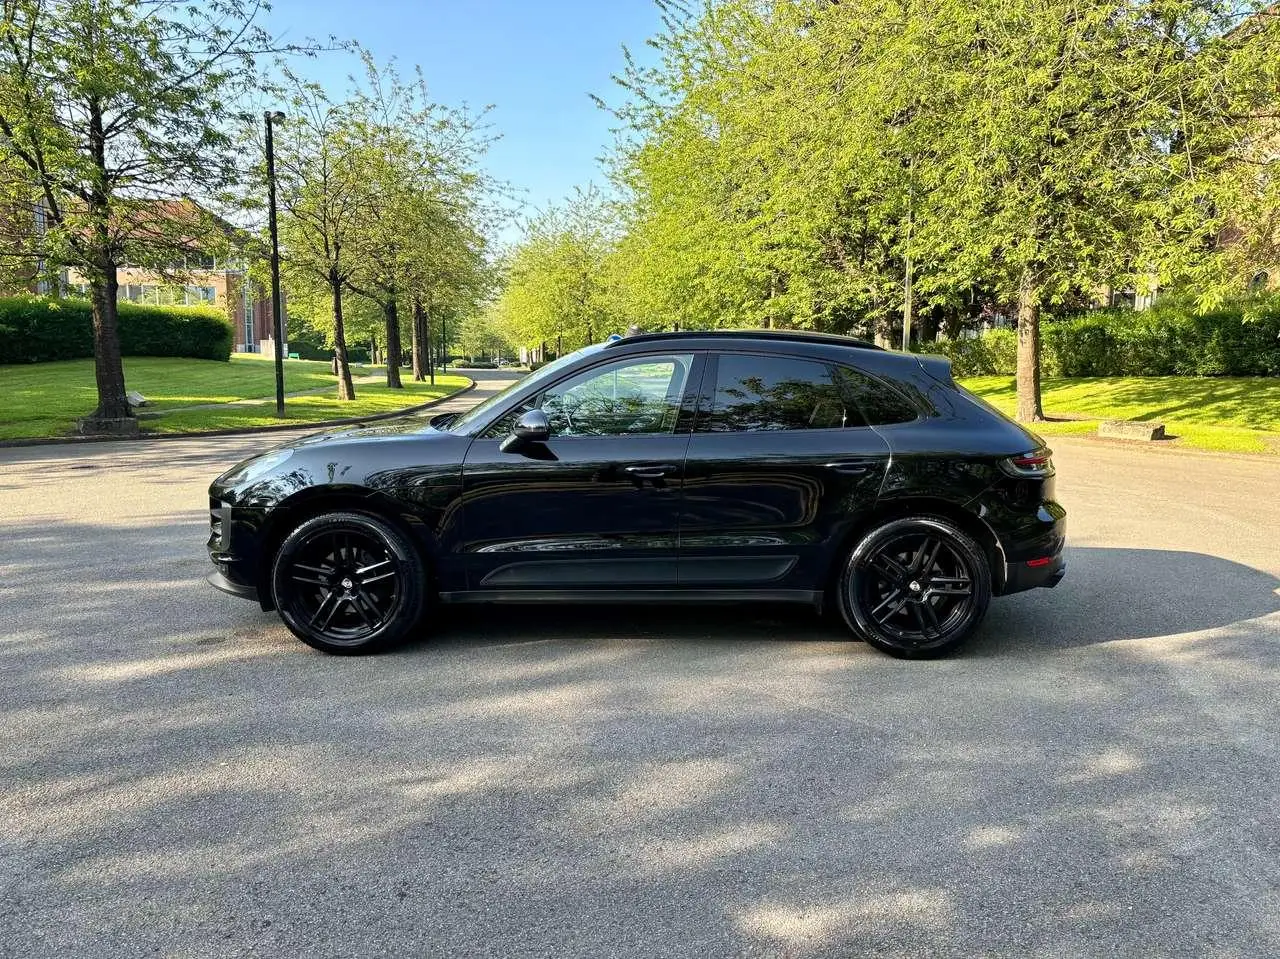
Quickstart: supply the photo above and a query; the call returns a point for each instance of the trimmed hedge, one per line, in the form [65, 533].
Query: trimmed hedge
[36, 330]
[1171, 339]
[309, 346]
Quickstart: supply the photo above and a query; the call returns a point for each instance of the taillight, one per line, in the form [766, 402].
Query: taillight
[1034, 465]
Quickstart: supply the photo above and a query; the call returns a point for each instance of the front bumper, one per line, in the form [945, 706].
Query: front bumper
[232, 545]
[220, 581]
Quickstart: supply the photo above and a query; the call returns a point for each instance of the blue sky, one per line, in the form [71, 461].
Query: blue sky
[536, 61]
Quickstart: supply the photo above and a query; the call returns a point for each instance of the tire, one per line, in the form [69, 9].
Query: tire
[915, 587]
[348, 583]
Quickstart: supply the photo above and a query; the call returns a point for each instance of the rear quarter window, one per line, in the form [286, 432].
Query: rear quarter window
[879, 403]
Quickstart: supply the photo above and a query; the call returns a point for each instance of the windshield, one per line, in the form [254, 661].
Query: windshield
[463, 423]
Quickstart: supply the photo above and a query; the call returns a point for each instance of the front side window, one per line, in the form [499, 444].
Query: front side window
[635, 396]
[768, 393]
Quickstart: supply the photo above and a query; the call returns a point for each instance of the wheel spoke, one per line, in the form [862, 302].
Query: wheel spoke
[315, 580]
[364, 599]
[918, 611]
[958, 588]
[926, 556]
[374, 572]
[358, 606]
[887, 568]
[894, 611]
[326, 604]
[885, 602]
[930, 616]
[318, 570]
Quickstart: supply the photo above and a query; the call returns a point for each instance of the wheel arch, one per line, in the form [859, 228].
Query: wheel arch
[898, 508]
[306, 504]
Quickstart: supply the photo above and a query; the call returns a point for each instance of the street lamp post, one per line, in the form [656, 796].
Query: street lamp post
[277, 311]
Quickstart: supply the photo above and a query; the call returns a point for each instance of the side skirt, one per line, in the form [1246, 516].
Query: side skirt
[812, 597]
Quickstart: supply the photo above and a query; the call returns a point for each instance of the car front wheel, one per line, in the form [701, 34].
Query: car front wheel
[349, 583]
[915, 587]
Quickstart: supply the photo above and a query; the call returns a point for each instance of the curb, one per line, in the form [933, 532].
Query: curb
[273, 428]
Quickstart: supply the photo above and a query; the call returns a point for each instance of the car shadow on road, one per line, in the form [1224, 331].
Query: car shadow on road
[1107, 595]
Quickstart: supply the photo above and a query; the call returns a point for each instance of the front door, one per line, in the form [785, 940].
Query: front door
[781, 466]
[597, 505]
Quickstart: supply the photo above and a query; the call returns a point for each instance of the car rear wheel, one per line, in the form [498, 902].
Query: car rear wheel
[349, 583]
[915, 587]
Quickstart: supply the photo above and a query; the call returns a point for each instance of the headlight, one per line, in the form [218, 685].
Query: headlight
[253, 468]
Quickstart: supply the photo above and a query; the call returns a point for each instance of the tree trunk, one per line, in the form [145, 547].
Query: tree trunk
[430, 349]
[346, 389]
[392, 335]
[108, 366]
[419, 342]
[373, 350]
[1030, 409]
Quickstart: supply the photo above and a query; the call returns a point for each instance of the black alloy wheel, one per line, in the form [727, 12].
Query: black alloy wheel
[915, 587]
[348, 583]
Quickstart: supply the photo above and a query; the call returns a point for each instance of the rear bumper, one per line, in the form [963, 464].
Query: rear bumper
[1019, 576]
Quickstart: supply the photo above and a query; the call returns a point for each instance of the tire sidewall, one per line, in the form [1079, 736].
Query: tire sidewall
[861, 624]
[411, 584]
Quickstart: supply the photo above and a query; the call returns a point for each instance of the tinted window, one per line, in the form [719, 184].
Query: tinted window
[755, 393]
[630, 397]
[878, 403]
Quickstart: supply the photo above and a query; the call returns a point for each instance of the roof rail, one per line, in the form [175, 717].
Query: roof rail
[800, 336]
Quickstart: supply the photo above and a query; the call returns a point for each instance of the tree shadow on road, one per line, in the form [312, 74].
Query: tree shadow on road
[179, 775]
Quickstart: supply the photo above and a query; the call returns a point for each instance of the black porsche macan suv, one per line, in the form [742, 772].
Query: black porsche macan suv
[727, 466]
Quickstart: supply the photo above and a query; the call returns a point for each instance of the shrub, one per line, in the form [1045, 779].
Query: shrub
[35, 330]
[1171, 339]
[994, 352]
[311, 346]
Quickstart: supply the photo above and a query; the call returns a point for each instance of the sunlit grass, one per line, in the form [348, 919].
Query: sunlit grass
[45, 399]
[1233, 414]
[370, 398]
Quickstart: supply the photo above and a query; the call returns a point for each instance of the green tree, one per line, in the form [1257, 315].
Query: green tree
[556, 289]
[112, 108]
[419, 238]
[838, 165]
[324, 199]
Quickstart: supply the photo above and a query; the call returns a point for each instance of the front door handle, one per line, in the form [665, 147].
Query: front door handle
[851, 467]
[649, 472]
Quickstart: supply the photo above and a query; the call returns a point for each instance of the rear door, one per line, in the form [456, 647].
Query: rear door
[780, 467]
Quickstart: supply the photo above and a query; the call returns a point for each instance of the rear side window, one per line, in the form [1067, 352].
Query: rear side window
[765, 393]
[879, 404]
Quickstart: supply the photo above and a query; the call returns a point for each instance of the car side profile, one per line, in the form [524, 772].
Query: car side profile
[672, 467]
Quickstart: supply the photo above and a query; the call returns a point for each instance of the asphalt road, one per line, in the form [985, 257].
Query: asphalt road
[1096, 776]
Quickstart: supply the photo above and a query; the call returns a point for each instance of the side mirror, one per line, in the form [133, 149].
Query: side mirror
[531, 427]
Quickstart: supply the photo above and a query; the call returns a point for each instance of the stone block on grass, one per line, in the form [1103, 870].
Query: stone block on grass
[1131, 430]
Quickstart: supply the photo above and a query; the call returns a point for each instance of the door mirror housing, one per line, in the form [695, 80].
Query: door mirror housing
[532, 427]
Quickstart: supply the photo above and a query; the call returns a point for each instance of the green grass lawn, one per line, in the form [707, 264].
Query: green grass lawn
[370, 398]
[45, 399]
[1236, 414]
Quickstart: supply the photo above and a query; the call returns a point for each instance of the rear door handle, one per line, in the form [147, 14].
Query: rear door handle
[852, 467]
[649, 472]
